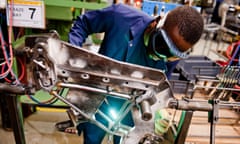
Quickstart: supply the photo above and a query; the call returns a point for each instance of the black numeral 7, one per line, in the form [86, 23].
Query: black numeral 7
[33, 11]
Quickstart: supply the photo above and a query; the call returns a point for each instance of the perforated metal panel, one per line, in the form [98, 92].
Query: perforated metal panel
[148, 6]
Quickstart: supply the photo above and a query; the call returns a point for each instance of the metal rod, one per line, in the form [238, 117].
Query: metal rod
[218, 88]
[212, 132]
[14, 89]
[16, 118]
[98, 90]
[183, 131]
[54, 93]
[92, 120]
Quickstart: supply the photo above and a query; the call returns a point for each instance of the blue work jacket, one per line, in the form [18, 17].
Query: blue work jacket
[124, 29]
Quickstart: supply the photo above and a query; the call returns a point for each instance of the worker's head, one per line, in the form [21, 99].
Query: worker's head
[174, 34]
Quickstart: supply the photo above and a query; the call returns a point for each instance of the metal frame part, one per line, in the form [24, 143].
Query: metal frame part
[53, 65]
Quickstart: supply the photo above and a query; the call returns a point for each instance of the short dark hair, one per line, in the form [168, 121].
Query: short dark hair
[188, 20]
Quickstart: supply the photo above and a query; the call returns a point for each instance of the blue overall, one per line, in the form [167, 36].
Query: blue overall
[124, 28]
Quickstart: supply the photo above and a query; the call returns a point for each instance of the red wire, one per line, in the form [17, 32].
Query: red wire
[22, 71]
[10, 50]
[7, 80]
[229, 51]
[5, 57]
[10, 34]
[10, 43]
[237, 87]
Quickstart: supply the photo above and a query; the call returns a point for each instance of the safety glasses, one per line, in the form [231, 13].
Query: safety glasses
[164, 48]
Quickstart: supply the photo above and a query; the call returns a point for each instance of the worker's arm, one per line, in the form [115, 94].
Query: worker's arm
[91, 22]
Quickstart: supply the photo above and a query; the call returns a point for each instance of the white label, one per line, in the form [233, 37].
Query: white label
[26, 13]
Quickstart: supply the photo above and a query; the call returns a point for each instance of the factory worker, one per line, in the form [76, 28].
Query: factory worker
[131, 35]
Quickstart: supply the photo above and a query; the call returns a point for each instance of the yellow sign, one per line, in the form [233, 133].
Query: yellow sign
[26, 13]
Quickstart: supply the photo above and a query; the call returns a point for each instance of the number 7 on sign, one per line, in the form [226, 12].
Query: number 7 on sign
[33, 11]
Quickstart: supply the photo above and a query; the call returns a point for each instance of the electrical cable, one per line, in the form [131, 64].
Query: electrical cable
[48, 102]
[10, 39]
[10, 59]
[4, 74]
[22, 69]
[234, 55]
[7, 62]
[22, 72]
[229, 52]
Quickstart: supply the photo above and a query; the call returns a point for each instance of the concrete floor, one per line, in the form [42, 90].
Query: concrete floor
[39, 127]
